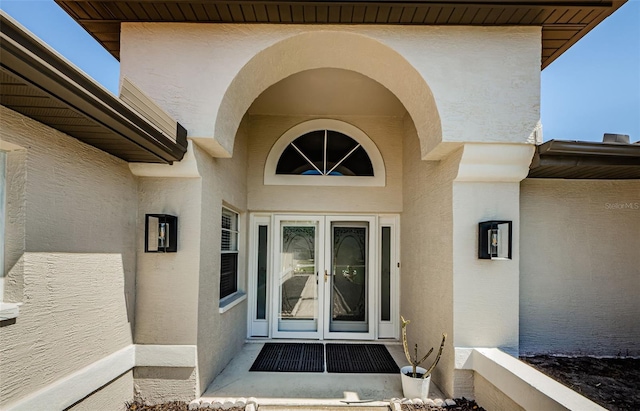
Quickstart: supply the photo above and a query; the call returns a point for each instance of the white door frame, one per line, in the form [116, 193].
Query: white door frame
[268, 327]
[275, 269]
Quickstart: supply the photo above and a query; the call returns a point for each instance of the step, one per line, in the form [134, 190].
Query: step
[287, 404]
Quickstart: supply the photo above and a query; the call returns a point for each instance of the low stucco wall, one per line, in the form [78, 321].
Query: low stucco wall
[491, 398]
[73, 269]
[385, 132]
[580, 267]
[157, 385]
[426, 240]
[111, 397]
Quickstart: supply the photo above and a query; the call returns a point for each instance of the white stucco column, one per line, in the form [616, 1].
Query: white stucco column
[486, 292]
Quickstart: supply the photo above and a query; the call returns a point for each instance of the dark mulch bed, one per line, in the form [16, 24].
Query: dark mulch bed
[169, 406]
[613, 383]
[462, 404]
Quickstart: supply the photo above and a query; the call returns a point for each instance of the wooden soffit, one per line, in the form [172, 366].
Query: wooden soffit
[563, 22]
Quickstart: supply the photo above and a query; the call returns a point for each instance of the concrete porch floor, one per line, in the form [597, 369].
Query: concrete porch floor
[281, 388]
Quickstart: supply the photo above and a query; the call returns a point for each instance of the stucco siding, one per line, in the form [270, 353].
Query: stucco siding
[485, 291]
[491, 398]
[111, 397]
[427, 252]
[580, 267]
[224, 183]
[156, 385]
[78, 260]
[385, 132]
[461, 68]
[167, 283]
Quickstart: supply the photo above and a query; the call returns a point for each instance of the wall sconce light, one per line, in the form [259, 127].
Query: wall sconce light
[494, 240]
[160, 233]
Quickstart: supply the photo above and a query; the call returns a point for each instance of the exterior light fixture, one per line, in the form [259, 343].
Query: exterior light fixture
[494, 240]
[160, 233]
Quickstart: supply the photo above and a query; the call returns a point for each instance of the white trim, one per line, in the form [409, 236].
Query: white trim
[231, 301]
[391, 328]
[495, 162]
[258, 327]
[372, 292]
[68, 390]
[379, 173]
[316, 221]
[523, 384]
[8, 311]
[166, 355]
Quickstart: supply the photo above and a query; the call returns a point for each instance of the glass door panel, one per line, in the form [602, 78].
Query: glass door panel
[298, 269]
[349, 280]
[349, 290]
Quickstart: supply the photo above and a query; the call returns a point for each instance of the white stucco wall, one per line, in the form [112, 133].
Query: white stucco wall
[426, 251]
[224, 182]
[482, 83]
[485, 291]
[385, 132]
[167, 283]
[78, 259]
[580, 267]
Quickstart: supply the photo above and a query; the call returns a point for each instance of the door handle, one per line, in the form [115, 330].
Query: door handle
[326, 275]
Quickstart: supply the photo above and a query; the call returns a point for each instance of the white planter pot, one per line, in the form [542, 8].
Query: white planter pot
[414, 387]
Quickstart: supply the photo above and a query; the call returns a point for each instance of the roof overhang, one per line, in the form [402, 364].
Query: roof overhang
[39, 83]
[586, 160]
[563, 22]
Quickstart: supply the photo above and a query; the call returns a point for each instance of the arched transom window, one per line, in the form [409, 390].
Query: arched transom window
[325, 152]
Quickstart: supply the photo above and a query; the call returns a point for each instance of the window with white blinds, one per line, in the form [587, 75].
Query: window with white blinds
[229, 253]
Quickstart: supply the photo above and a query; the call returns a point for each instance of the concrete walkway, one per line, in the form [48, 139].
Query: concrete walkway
[280, 388]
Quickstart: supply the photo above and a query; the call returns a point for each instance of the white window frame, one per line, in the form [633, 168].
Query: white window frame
[3, 211]
[377, 180]
[258, 327]
[390, 329]
[8, 311]
[235, 298]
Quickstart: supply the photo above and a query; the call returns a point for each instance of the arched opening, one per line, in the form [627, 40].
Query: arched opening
[327, 49]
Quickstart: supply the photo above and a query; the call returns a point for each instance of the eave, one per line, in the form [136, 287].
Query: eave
[39, 83]
[586, 160]
[563, 22]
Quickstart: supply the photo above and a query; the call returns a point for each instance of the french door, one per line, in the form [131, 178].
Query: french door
[323, 277]
[322, 270]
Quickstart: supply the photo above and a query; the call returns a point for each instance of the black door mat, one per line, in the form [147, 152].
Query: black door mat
[279, 357]
[360, 358]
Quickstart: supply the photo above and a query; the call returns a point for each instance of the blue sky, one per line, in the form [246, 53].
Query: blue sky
[592, 89]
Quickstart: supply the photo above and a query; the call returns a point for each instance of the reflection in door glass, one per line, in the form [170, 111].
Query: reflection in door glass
[261, 303]
[385, 283]
[349, 288]
[298, 286]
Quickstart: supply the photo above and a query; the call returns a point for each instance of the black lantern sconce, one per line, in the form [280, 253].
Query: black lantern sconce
[160, 233]
[494, 240]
